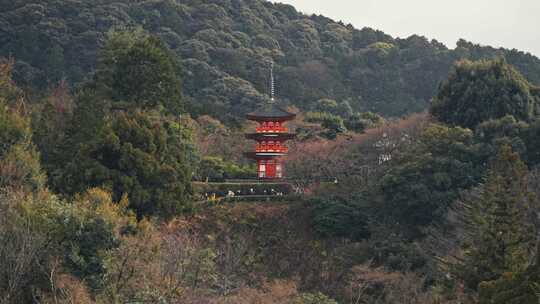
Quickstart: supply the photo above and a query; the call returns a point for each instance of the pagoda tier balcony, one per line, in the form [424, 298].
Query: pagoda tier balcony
[271, 136]
[272, 130]
[271, 149]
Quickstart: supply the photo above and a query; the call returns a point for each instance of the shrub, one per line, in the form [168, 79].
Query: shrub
[314, 298]
[337, 217]
[332, 123]
[215, 169]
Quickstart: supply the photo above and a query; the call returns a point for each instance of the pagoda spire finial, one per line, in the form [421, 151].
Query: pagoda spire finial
[272, 82]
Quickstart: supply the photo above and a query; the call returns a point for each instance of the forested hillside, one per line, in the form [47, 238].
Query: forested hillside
[225, 46]
[122, 177]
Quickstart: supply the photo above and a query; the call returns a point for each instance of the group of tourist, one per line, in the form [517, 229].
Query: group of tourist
[251, 191]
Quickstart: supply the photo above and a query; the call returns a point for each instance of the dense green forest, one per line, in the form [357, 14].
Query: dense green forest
[225, 47]
[415, 169]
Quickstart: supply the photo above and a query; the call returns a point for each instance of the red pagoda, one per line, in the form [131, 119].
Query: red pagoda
[271, 135]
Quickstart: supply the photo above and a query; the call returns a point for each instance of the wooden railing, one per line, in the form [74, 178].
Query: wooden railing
[272, 130]
[271, 148]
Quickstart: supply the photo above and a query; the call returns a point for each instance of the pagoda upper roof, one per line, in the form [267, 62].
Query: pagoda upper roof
[270, 111]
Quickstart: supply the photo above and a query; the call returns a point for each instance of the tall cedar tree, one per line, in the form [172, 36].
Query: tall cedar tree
[500, 236]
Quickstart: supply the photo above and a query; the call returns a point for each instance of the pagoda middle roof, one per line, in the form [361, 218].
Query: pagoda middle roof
[270, 111]
[267, 136]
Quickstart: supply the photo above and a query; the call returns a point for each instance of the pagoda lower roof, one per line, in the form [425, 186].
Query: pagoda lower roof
[270, 111]
[270, 136]
[264, 155]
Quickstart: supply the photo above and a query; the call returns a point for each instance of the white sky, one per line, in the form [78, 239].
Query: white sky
[499, 23]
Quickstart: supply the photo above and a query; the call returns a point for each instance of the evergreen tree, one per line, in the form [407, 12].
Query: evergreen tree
[142, 154]
[479, 91]
[125, 134]
[137, 69]
[500, 236]
[422, 181]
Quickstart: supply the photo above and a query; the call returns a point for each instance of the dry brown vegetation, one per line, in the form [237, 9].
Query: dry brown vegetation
[321, 158]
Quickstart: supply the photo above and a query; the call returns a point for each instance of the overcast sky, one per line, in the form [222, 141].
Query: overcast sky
[506, 23]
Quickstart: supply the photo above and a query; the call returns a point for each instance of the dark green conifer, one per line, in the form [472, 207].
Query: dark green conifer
[500, 236]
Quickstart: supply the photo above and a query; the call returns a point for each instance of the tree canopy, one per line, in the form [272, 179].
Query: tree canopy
[226, 46]
[482, 90]
[125, 134]
[137, 68]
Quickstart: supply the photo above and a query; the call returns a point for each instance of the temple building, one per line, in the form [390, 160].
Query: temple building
[271, 135]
